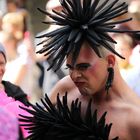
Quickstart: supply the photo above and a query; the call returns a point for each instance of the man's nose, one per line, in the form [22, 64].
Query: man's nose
[75, 74]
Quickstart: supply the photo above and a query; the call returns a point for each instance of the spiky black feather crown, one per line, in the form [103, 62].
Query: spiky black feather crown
[82, 20]
[61, 122]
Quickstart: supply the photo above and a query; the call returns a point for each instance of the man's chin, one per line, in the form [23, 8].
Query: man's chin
[84, 92]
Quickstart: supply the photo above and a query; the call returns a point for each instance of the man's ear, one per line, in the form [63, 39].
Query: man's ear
[111, 60]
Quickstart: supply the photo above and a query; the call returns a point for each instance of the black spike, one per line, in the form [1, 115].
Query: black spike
[84, 20]
[66, 122]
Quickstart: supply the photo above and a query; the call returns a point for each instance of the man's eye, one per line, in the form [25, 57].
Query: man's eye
[83, 67]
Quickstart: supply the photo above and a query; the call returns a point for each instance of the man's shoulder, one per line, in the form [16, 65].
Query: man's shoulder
[62, 86]
[66, 82]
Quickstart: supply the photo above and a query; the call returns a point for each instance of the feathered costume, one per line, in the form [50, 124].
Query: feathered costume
[49, 122]
[79, 21]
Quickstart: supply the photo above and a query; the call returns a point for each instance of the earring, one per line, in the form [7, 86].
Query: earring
[110, 78]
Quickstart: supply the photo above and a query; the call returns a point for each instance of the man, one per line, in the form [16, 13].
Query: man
[84, 41]
[87, 80]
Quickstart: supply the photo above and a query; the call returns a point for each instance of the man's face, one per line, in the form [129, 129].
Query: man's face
[89, 73]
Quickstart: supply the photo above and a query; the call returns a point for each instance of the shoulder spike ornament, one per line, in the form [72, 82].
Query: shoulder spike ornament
[61, 122]
[82, 20]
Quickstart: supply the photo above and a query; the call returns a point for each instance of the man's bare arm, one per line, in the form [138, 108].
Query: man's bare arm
[62, 86]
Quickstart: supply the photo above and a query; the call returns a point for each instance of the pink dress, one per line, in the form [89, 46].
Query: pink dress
[12, 106]
[8, 125]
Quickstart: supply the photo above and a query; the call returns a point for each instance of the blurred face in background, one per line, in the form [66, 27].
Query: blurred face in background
[11, 7]
[124, 48]
[2, 65]
[13, 23]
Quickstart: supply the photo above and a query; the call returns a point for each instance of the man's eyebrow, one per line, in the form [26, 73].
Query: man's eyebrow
[79, 65]
[83, 64]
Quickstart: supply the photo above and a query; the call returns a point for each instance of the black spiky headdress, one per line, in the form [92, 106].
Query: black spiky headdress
[82, 20]
[60, 122]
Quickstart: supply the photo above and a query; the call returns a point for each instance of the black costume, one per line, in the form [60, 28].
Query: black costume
[49, 122]
[15, 92]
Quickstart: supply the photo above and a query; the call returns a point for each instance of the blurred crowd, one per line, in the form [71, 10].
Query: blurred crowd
[19, 72]
[128, 45]
[17, 37]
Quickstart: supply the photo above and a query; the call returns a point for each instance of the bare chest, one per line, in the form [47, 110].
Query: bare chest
[119, 126]
[118, 117]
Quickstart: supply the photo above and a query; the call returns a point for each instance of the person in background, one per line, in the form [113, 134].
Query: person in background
[27, 42]
[10, 88]
[124, 47]
[133, 9]
[17, 6]
[9, 129]
[0, 20]
[132, 75]
[11, 96]
[55, 76]
[23, 63]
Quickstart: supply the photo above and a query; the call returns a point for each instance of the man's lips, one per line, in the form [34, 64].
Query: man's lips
[79, 84]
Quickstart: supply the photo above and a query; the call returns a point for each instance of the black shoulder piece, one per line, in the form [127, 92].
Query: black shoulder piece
[15, 92]
[60, 122]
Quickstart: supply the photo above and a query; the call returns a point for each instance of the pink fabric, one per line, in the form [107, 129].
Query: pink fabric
[8, 125]
[13, 107]
[4, 99]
